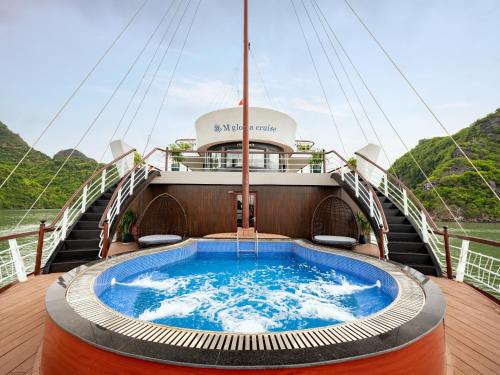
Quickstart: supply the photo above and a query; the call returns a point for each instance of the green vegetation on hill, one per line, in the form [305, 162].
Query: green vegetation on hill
[452, 175]
[36, 171]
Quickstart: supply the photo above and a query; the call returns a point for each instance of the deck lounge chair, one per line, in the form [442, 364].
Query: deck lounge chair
[163, 222]
[334, 224]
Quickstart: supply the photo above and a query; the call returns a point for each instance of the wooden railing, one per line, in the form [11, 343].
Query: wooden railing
[125, 189]
[481, 269]
[26, 252]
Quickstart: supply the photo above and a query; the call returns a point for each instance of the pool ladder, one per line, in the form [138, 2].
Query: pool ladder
[256, 244]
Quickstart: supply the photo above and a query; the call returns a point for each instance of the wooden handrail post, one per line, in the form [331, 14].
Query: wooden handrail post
[39, 248]
[105, 247]
[381, 241]
[324, 161]
[449, 269]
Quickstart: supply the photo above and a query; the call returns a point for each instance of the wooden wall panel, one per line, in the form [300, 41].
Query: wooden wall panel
[284, 210]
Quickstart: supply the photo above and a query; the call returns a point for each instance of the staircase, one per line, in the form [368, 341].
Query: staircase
[404, 243]
[82, 242]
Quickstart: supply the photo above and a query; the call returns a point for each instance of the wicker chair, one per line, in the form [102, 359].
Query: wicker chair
[333, 223]
[163, 221]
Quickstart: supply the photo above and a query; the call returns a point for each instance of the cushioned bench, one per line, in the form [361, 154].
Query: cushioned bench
[335, 241]
[158, 239]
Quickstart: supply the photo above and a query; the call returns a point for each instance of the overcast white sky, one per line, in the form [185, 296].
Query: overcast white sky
[448, 48]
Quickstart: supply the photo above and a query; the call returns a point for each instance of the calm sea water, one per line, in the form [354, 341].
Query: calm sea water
[220, 292]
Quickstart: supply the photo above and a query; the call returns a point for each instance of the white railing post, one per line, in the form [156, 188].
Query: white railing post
[386, 185]
[405, 202]
[18, 261]
[462, 260]
[371, 204]
[119, 200]
[356, 184]
[342, 177]
[103, 181]
[132, 181]
[84, 199]
[64, 224]
[146, 172]
[423, 220]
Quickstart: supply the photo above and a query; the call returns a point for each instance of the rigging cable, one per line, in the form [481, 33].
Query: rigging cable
[141, 81]
[412, 87]
[75, 91]
[319, 78]
[351, 84]
[153, 77]
[259, 74]
[173, 74]
[388, 120]
[90, 127]
[335, 74]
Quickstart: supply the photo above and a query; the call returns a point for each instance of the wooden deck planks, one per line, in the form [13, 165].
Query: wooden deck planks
[21, 324]
[472, 327]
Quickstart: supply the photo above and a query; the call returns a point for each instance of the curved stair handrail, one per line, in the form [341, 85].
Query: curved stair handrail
[31, 254]
[481, 269]
[402, 186]
[125, 188]
[88, 183]
[363, 191]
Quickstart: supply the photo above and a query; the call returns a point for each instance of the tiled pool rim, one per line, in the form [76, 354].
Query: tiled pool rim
[408, 295]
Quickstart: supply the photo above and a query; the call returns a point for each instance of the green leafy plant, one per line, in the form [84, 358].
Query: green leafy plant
[364, 228]
[176, 151]
[303, 147]
[316, 161]
[126, 222]
[353, 162]
[138, 158]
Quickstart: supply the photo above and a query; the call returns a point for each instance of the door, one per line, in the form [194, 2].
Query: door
[238, 220]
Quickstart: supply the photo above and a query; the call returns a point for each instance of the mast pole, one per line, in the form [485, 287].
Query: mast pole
[246, 145]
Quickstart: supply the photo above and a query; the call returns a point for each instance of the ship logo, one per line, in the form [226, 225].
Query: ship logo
[217, 128]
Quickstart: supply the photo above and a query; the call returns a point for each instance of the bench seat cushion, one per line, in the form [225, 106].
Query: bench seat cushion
[158, 239]
[335, 240]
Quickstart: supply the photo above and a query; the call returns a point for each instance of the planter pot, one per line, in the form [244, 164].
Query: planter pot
[316, 168]
[176, 167]
[363, 239]
[126, 237]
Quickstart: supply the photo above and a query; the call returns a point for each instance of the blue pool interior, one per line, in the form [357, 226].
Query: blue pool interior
[205, 285]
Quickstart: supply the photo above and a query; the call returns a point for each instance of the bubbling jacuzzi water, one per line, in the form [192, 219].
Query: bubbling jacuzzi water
[223, 292]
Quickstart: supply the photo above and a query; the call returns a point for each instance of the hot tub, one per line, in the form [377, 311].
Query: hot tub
[224, 306]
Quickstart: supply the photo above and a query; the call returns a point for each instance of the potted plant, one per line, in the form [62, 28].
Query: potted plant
[316, 162]
[353, 162]
[364, 228]
[127, 220]
[176, 154]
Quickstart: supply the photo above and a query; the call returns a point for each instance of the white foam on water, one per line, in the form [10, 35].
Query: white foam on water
[170, 308]
[171, 285]
[326, 311]
[247, 304]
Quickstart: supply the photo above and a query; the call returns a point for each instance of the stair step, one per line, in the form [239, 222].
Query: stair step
[403, 237]
[81, 244]
[397, 220]
[388, 205]
[77, 255]
[91, 217]
[66, 266]
[411, 258]
[101, 202]
[393, 212]
[80, 234]
[87, 225]
[401, 228]
[426, 270]
[96, 210]
[406, 247]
